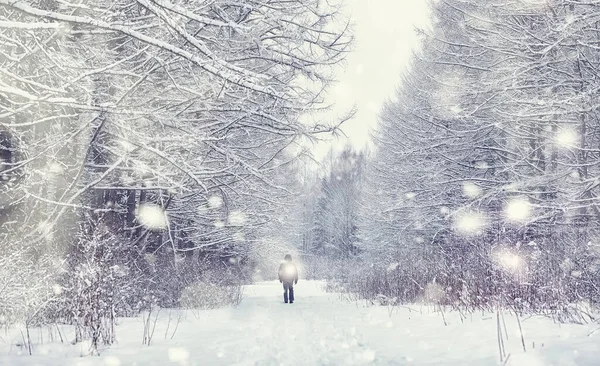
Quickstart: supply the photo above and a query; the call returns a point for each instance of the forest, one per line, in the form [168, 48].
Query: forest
[481, 188]
[158, 154]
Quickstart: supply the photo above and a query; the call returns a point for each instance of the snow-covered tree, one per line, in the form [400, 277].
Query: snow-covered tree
[487, 157]
[167, 121]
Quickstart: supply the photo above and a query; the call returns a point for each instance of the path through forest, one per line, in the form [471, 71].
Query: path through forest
[323, 329]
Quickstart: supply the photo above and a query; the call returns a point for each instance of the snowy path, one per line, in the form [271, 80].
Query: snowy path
[321, 329]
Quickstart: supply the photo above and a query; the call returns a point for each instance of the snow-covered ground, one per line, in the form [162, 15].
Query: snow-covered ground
[319, 329]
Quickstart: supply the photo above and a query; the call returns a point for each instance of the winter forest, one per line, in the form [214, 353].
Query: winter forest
[157, 163]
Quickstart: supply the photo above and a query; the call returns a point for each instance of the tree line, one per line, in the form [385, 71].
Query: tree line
[482, 189]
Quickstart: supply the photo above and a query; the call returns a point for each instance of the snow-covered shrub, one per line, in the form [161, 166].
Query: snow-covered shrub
[98, 286]
[202, 295]
[318, 267]
[25, 293]
[209, 286]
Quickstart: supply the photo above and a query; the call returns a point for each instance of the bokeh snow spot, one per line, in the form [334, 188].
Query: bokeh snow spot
[127, 146]
[470, 223]
[434, 293]
[239, 237]
[219, 224]
[152, 217]
[471, 190]
[566, 138]
[179, 355]
[57, 289]
[509, 261]
[55, 168]
[237, 218]
[393, 267]
[128, 180]
[446, 99]
[517, 210]
[215, 202]
[150, 258]
[45, 228]
[142, 169]
[456, 109]
[481, 165]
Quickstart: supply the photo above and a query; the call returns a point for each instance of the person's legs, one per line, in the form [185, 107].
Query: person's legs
[291, 292]
[285, 292]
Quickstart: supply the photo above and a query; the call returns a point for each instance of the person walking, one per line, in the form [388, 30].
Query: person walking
[288, 276]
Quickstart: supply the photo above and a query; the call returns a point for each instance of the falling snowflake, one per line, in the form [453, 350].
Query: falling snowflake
[434, 292]
[237, 218]
[150, 258]
[45, 228]
[55, 168]
[152, 217]
[142, 169]
[517, 210]
[471, 190]
[482, 165]
[567, 138]
[215, 202]
[510, 261]
[470, 223]
[455, 109]
[57, 289]
[127, 146]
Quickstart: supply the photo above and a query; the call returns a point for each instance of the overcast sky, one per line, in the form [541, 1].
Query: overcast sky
[385, 39]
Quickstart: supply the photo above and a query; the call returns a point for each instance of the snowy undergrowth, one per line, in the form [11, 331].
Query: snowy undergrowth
[318, 329]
